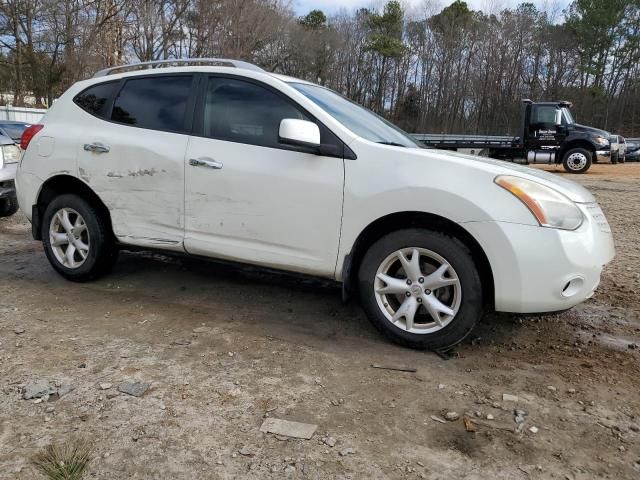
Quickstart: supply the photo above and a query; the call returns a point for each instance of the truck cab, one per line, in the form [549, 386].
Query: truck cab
[551, 135]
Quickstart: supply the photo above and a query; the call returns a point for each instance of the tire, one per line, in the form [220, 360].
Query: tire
[464, 297]
[577, 160]
[101, 252]
[8, 206]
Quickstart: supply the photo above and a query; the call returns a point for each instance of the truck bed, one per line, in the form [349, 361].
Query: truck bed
[466, 141]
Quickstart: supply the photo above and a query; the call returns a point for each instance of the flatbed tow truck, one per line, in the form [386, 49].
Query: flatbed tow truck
[547, 134]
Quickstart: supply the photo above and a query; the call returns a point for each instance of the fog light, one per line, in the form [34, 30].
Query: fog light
[572, 287]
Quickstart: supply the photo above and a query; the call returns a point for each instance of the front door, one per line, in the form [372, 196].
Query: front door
[543, 130]
[250, 198]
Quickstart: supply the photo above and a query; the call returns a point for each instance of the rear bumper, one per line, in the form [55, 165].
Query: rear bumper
[537, 269]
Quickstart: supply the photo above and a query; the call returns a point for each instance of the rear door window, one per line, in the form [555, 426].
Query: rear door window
[156, 103]
[96, 99]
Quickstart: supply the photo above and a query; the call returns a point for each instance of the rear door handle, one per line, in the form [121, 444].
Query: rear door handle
[96, 147]
[205, 162]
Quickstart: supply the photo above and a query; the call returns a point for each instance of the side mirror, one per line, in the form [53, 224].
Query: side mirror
[558, 118]
[299, 132]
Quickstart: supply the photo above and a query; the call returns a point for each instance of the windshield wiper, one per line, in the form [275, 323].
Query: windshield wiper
[393, 144]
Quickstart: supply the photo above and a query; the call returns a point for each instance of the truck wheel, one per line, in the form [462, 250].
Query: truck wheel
[421, 288]
[577, 160]
[77, 239]
[8, 206]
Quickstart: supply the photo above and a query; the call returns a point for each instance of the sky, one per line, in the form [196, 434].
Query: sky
[302, 7]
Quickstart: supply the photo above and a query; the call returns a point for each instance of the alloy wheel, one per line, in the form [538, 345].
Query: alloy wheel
[69, 238]
[417, 290]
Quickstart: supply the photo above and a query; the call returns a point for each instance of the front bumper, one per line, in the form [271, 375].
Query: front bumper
[7, 180]
[603, 155]
[537, 269]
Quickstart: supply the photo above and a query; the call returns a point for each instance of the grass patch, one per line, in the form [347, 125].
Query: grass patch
[67, 461]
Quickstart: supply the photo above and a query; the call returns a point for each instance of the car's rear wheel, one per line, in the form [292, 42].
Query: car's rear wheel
[421, 288]
[8, 206]
[77, 239]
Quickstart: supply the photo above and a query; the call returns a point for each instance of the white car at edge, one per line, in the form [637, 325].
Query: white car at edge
[224, 160]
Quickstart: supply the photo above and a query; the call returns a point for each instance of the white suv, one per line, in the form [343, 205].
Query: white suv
[225, 160]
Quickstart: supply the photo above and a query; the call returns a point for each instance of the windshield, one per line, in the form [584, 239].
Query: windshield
[13, 130]
[567, 116]
[358, 119]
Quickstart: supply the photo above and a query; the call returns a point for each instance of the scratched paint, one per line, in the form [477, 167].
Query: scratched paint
[84, 175]
[142, 172]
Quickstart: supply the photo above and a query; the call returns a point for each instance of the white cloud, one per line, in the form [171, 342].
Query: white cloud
[331, 6]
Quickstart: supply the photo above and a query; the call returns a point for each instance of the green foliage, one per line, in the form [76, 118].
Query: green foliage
[456, 16]
[314, 19]
[385, 30]
[596, 24]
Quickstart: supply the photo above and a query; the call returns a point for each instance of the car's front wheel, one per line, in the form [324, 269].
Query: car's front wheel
[77, 239]
[577, 160]
[421, 288]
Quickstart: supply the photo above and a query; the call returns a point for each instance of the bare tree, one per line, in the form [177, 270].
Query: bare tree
[452, 69]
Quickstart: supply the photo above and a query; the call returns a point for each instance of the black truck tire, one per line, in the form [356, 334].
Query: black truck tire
[8, 206]
[577, 160]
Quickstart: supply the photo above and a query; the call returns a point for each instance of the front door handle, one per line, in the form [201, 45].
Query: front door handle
[205, 162]
[96, 147]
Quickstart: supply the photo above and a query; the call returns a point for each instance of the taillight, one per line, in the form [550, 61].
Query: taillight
[28, 134]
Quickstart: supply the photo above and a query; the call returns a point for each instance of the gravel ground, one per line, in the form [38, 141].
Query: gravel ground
[224, 347]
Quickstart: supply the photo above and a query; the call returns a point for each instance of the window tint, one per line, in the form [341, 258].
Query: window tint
[95, 100]
[245, 112]
[157, 103]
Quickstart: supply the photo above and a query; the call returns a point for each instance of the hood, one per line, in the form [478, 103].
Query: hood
[595, 131]
[570, 189]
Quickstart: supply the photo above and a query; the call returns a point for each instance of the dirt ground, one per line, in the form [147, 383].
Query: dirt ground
[274, 345]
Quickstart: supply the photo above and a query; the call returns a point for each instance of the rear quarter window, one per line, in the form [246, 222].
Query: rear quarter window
[96, 99]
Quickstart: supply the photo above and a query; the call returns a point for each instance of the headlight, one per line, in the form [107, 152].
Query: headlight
[549, 207]
[11, 153]
[602, 141]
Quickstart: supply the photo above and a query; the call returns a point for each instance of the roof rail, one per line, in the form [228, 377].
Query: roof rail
[218, 62]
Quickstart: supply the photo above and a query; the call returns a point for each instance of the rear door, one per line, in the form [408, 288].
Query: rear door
[132, 154]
